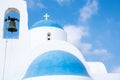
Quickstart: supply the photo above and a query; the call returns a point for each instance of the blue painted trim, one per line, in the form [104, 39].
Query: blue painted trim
[56, 63]
[44, 23]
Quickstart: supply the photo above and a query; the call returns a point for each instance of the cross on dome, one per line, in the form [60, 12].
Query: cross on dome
[46, 16]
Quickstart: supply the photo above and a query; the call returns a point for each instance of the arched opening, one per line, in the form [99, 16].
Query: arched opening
[11, 24]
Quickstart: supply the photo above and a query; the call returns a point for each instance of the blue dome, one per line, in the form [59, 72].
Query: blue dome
[56, 63]
[44, 23]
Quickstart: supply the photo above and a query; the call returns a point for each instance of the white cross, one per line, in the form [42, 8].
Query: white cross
[46, 16]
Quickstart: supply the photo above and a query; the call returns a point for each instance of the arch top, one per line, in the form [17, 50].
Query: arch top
[12, 10]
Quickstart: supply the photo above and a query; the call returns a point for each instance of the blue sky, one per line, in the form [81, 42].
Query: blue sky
[92, 25]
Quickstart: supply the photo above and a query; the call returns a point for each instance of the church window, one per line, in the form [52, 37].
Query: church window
[48, 36]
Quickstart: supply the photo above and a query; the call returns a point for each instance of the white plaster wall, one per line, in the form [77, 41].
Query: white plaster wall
[97, 68]
[109, 76]
[39, 35]
[17, 50]
[114, 76]
[60, 77]
[99, 72]
[56, 45]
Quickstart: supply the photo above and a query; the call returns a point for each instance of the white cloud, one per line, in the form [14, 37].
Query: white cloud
[88, 10]
[40, 5]
[86, 48]
[116, 70]
[104, 54]
[62, 2]
[32, 4]
[100, 51]
[75, 35]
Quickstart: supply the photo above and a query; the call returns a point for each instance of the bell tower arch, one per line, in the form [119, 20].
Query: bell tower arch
[11, 23]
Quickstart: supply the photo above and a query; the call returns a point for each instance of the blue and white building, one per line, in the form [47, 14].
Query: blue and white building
[42, 51]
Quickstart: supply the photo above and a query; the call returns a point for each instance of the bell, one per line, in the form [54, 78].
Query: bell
[12, 26]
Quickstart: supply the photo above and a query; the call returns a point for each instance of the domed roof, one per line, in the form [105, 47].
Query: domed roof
[56, 63]
[44, 23]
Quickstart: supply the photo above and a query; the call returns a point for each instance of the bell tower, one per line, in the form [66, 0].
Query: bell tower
[14, 39]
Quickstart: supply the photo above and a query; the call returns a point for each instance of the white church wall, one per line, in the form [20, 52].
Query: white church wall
[60, 77]
[17, 50]
[99, 72]
[56, 45]
[97, 68]
[39, 35]
[108, 76]
[114, 76]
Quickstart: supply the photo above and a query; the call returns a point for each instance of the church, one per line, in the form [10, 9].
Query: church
[42, 51]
